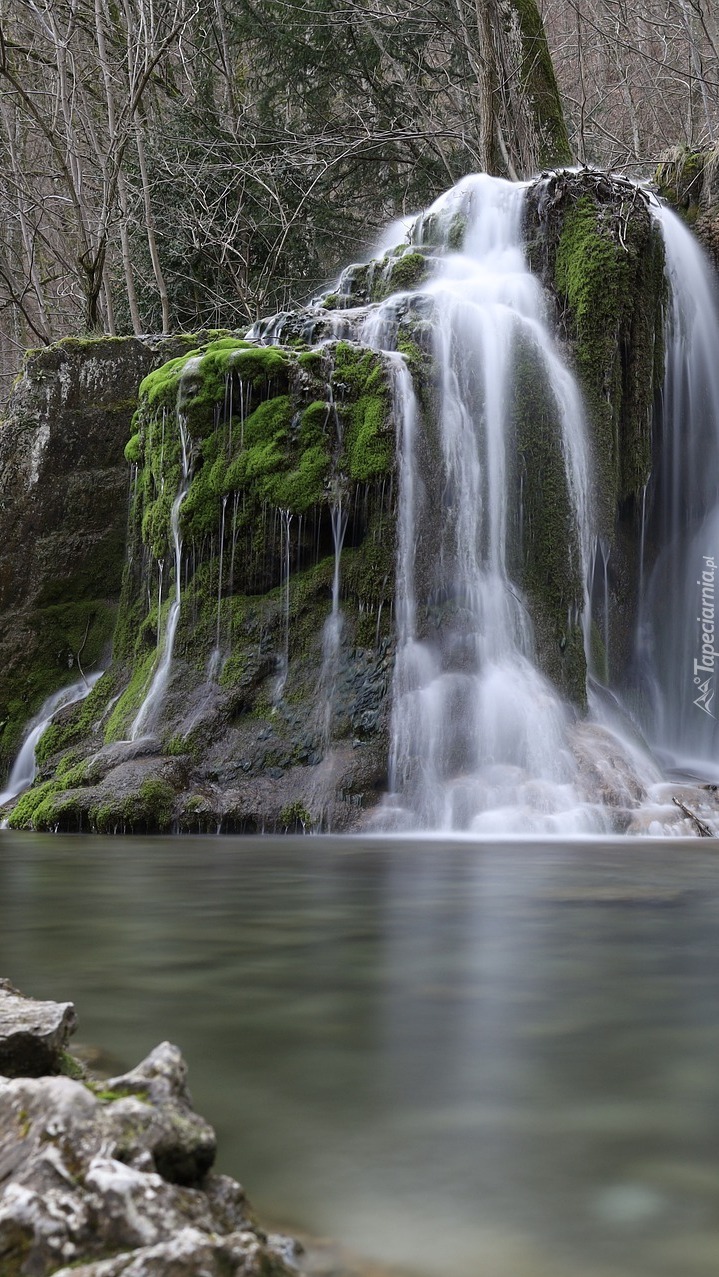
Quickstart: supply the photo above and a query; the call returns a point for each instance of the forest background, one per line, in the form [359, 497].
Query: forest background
[180, 164]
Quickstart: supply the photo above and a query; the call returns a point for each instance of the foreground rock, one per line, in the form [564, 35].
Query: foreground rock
[33, 1035]
[113, 1179]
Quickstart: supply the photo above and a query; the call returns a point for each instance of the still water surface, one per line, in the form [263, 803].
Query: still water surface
[496, 1060]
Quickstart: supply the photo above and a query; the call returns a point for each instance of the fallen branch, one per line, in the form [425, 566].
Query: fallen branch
[703, 830]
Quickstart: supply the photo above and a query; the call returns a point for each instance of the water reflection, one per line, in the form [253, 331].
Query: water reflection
[457, 1059]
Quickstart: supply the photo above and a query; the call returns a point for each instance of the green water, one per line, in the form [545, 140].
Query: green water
[469, 1061]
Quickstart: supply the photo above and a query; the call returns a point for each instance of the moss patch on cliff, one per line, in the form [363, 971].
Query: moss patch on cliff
[364, 401]
[599, 247]
[680, 179]
[273, 438]
[549, 565]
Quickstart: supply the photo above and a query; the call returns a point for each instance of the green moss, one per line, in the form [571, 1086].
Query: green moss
[133, 449]
[612, 284]
[680, 179]
[76, 723]
[108, 1095]
[295, 816]
[149, 810]
[119, 722]
[406, 272]
[23, 813]
[55, 638]
[72, 1067]
[547, 554]
[361, 379]
[456, 232]
[313, 362]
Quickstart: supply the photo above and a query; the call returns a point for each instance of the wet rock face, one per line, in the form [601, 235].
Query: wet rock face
[112, 1178]
[63, 515]
[261, 724]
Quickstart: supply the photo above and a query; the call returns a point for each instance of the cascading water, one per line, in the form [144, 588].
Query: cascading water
[147, 713]
[24, 768]
[677, 644]
[481, 739]
[479, 736]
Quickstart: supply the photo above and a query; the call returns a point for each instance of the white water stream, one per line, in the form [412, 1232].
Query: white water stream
[479, 735]
[677, 645]
[24, 768]
[147, 713]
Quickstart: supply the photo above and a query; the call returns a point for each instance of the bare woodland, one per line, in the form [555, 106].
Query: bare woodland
[195, 163]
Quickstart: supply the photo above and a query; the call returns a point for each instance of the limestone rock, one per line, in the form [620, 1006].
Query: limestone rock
[33, 1035]
[113, 1178]
[188, 1254]
[157, 1118]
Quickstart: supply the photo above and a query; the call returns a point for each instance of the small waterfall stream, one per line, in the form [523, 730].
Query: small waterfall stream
[24, 768]
[332, 634]
[677, 644]
[147, 713]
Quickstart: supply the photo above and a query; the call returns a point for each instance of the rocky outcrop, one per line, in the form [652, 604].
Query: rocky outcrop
[261, 462]
[600, 254]
[113, 1178]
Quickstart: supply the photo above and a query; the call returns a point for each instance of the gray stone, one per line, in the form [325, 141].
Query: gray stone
[113, 1178]
[190, 1253]
[33, 1035]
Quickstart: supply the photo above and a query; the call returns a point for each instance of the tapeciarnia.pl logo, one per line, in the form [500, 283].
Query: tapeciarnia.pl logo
[704, 669]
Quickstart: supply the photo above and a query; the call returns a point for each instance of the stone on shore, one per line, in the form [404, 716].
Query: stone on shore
[112, 1179]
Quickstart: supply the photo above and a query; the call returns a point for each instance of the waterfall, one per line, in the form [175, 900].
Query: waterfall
[147, 713]
[479, 735]
[676, 636]
[24, 768]
[492, 598]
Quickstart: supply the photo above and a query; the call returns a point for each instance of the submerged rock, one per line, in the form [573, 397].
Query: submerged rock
[113, 1178]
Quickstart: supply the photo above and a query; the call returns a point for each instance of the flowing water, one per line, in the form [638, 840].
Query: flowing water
[470, 1061]
[479, 734]
[678, 650]
[24, 768]
[145, 718]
